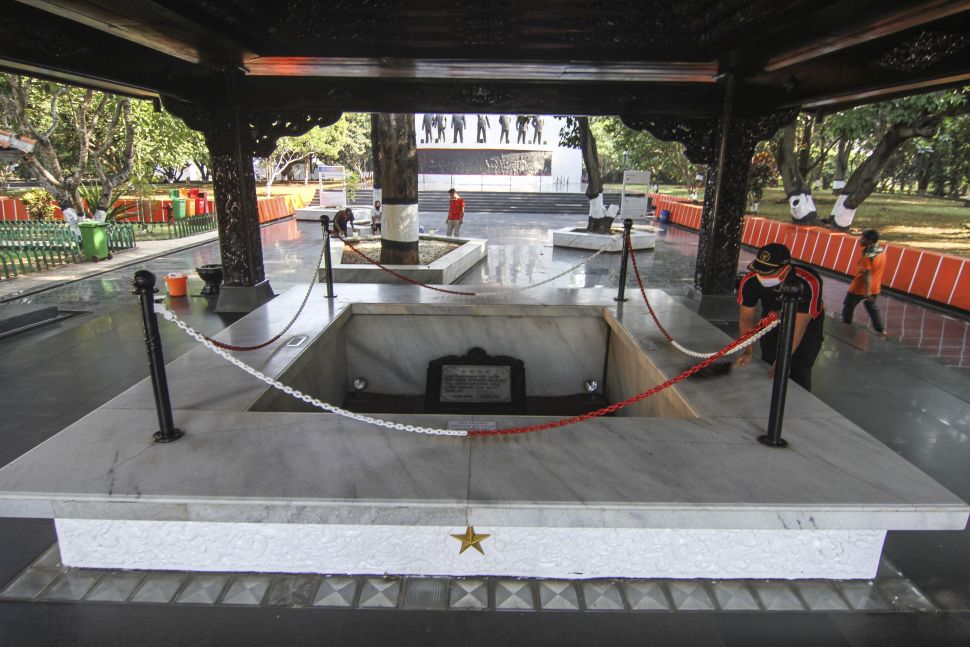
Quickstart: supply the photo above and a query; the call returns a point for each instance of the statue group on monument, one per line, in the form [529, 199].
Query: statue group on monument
[434, 126]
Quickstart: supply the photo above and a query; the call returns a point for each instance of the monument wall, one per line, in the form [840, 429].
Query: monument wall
[458, 161]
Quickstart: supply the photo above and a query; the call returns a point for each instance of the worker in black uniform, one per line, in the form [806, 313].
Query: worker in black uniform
[771, 267]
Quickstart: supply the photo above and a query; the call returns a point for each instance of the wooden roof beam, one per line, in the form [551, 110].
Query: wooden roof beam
[863, 28]
[150, 25]
[336, 67]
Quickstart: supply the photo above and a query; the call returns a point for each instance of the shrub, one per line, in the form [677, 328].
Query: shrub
[39, 204]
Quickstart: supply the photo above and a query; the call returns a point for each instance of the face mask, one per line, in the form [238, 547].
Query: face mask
[770, 283]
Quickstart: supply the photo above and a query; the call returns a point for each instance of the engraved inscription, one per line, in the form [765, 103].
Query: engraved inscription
[476, 383]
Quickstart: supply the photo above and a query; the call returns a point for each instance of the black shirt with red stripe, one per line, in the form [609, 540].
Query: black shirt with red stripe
[751, 292]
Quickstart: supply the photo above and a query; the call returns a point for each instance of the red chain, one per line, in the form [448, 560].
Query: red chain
[765, 322]
[398, 275]
[643, 292]
[224, 346]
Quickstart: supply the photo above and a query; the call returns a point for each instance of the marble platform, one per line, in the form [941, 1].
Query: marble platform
[633, 496]
[444, 271]
[574, 237]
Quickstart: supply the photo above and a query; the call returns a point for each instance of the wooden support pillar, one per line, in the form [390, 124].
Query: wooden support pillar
[235, 194]
[234, 136]
[726, 144]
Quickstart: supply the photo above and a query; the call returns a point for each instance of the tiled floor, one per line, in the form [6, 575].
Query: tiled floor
[898, 390]
[46, 580]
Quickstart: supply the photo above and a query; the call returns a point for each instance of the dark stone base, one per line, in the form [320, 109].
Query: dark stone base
[235, 298]
[713, 307]
[18, 315]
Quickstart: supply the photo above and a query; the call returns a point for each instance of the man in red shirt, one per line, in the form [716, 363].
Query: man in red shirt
[456, 212]
[867, 282]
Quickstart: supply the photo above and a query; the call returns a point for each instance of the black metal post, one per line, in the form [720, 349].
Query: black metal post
[144, 287]
[627, 227]
[325, 223]
[779, 388]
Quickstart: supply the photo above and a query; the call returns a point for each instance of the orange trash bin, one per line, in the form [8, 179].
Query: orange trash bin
[177, 284]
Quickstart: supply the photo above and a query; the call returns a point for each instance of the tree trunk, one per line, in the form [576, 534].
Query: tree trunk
[863, 181]
[599, 220]
[841, 166]
[799, 193]
[922, 184]
[396, 155]
[378, 155]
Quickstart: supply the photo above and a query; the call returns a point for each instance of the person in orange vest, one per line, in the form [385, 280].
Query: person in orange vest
[867, 282]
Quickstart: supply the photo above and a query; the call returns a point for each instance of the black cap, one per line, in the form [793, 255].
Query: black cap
[770, 259]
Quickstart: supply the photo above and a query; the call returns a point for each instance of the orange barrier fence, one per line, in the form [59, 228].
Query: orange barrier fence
[12, 209]
[940, 278]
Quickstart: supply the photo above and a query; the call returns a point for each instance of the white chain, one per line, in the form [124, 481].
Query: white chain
[548, 280]
[299, 395]
[751, 340]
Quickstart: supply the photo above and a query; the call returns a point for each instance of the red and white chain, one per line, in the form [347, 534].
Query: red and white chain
[503, 290]
[745, 340]
[486, 292]
[673, 342]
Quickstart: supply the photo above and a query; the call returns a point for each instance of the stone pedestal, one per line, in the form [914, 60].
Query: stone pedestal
[244, 298]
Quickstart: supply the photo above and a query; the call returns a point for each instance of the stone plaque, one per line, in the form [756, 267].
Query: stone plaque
[476, 383]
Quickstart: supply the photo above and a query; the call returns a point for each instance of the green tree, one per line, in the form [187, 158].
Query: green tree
[892, 124]
[165, 145]
[665, 160]
[355, 153]
[577, 132]
[323, 144]
[81, 134]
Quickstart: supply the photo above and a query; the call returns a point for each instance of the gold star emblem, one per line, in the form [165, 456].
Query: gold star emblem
[471, 539]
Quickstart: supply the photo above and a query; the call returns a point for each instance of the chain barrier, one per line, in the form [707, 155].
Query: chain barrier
[656, 320]
[289, 325]
[483, 292]
[551, 278]
[398, 274]
[766, 324]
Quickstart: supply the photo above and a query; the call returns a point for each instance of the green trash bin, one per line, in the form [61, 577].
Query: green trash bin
[173, 193]
[94, 240]
[178, 208]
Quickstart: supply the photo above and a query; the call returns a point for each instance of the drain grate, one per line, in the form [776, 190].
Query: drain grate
[62, 315]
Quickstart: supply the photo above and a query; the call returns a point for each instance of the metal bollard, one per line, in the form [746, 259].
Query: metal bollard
[144, 286]
[325, 222]
[627, 227]
[779, 388]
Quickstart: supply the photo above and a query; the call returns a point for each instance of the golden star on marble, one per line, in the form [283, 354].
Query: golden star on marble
[471, 539]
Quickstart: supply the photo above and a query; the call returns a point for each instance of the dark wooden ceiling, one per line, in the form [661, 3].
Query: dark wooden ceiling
[558, 56]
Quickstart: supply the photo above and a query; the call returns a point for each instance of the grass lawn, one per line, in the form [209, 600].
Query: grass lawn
[928, 223]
